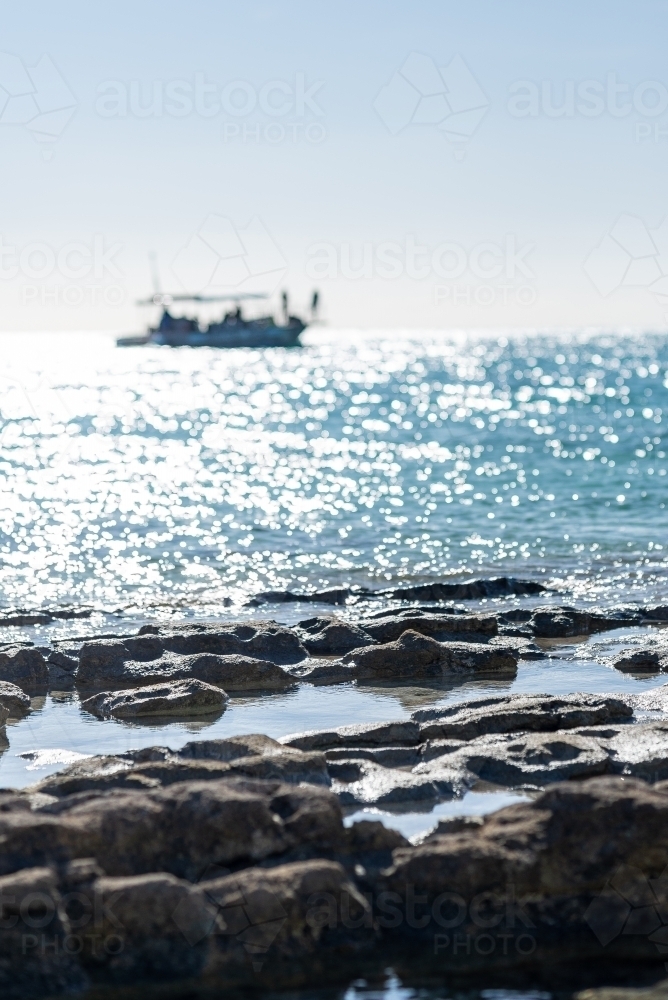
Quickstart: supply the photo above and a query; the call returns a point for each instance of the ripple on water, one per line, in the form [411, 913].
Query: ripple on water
[169, 478]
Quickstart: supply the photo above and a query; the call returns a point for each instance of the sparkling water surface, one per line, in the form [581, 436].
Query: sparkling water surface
[152, 482]
[149, 479]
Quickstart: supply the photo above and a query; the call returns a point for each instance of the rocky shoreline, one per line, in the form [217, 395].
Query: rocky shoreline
[229, 863]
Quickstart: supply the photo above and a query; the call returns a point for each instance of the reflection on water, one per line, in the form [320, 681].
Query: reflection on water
[59, 723]
[166, 478]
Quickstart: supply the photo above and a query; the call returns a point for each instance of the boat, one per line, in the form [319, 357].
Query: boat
[233, 330]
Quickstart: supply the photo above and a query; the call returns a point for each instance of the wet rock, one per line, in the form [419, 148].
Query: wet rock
[283, 916]
[31, 904]
[158, 767]
[25, 667]
[519, 713]
[415, 655]
[437, 626]
[13, 700]
[156, 928]
[337, 595]
[180, 829]
[179, 698]
[332, 636]
[559, 855]
[656, 992]
[500, 586]
[323, 672]
[62, 670]
[23, 616]
[563, 622]
[263, 640]
[116, 664]
[372, 784]
[362, 735]
[643, 660]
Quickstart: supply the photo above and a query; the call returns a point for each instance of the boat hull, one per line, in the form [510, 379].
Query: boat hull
[222, 335]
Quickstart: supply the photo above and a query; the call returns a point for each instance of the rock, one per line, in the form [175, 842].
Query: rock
[22, 616]
[108, 664]
[437, 626]
[555, 862]
[157, 767]
[62, 670]
[157, 928]
[337, 595]
[180, 829]
[416, 655]
[331, 636]
[264, 640]
[180, 698]
[322, 672]
[231, 748]
[656, 992]
[305, 915]
[644, 660]
[371, 784]
[13, 700]
[519, 713]
[25, 667]
[364, 735]
[563, 622]
[500, 586]
[32, 908]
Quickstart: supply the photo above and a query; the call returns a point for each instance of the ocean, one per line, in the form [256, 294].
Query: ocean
[153, 480]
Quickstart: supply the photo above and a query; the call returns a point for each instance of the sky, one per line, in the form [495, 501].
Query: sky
[423, 165]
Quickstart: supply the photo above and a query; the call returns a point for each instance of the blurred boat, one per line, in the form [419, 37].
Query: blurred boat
[233, 330]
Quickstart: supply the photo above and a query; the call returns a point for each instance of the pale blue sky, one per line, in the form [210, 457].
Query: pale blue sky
[554, 186]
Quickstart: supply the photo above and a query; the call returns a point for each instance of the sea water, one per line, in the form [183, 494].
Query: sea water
[173, 483]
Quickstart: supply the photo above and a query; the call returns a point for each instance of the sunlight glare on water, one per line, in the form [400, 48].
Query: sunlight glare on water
[152, 476]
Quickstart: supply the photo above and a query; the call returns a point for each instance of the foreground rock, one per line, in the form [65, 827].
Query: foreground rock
[578, 860]
[25, 667]
[13, 701]
[179, 698]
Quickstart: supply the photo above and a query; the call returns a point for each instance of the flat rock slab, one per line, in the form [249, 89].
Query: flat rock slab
[178, 698]
[332, 636]
[520, 713]
[646, 659]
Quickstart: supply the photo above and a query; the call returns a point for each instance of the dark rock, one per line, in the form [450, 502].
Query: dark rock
[111, 664]
[361, 735]
[157, 767]
[436, 626]
[563, 622]
[415, 655]
[62, 670]
[500, 586]
[332, 636]
[558, 855]
[25, 667]
[519, 713]
[180, 698]
[32, 908]
[180, 829]
[283, 916]
[13, 700]
[337, 595]
[257, 640]
[22, 616]
[644, 660]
